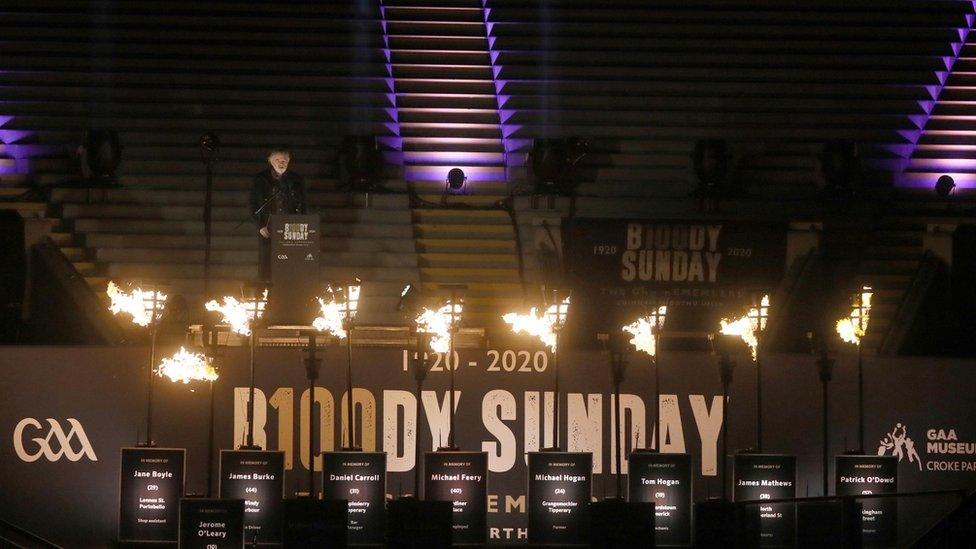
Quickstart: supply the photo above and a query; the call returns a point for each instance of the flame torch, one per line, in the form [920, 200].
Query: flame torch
[851, 329]
[647, 331]
[750, 327]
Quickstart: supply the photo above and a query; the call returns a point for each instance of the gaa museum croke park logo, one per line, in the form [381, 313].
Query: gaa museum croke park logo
[33, 440]
[943, 449]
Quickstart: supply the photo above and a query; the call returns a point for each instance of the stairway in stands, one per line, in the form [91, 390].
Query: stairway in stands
[449, 118]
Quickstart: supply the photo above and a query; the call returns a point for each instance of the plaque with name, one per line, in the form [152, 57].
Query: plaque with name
[559, 493]
[295, 273]
[150, 488]
[768, 476]
[257, 478]
[360, 479]
[664, 479]
[461, 478]
[866, 475]
[211, 523]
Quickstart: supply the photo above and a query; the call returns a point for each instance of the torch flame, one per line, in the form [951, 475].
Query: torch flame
[852, 328]
[645, 330]
[137, 303]
[186, 366]
[439, 323]
[239, 314]
[747, 325]
[334, 312]
[541, 326]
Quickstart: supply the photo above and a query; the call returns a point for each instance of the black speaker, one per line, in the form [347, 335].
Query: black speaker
[619, 523]
[722, 524]
[414, 523]
[314, 523]
[835, 523]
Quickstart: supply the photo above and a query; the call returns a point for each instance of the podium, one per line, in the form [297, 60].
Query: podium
[295, 277]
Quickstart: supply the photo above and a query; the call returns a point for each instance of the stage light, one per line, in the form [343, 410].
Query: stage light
[185, 366]
[853, 327]
[209, 145]
[541, 325]
[408, 298]
[944, 186]
[748, 326]
[239, 314]
[710, 161]
[840, 164]
[441, 324]
[144, 306]
[103, 152]
[339, 310]
[361, 161]
[456, 179]
[646, 330]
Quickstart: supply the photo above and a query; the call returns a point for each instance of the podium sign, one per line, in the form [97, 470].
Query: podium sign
[211, 523]
[768, 476]
[865, 475]
[665, 480]
[360, 479]
[150, 488]
[256, 477]
[460, 478]
[295, 273]
[560, 485]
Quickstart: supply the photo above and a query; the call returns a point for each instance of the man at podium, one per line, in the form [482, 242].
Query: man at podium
[276, 190]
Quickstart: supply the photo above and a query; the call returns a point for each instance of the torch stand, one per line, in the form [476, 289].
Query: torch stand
[451, 446]
[556, 446]
[312, 366]
[153, 330]
[249, 440]
[860, 399]
[618, 368]
[759, 403]
[825, 368]
[351, 445]
[726, 367]
[419, 375]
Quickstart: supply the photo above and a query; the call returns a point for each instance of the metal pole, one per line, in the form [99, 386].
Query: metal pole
[207, 227]
[860, 399]
[210, 445]
[447, 363]
[555, 403]
[350, 424]
[759, 402]
[726, 366]
[618, 375]
[825, 367]
[656, 434]
[250, 403]
[311, 371]
[419, 374]
[152, 363]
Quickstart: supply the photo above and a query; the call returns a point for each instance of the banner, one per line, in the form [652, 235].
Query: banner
[68, 411]
[621, 269]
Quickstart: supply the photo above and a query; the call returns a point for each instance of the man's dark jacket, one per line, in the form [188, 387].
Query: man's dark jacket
[286, 194]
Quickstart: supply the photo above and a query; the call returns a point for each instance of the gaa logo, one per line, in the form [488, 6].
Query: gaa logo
[55, 438]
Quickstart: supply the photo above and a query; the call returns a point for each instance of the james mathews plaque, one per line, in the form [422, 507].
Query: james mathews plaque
[768, 476]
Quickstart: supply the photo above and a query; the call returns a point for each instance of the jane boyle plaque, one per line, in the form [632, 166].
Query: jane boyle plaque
[560, 485]
[360, 479]
[257, 478]
[461, 478]
[664, 479]
[151, 485]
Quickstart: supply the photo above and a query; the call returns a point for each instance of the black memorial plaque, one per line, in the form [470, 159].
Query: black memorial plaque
[257, 477]
[360, 479]
[664, 479]
[295, 273]
[211, 523]
[314, 523]
[867, 475]
[461, 478]
[150, 488]
[768, 476]
[559, 494]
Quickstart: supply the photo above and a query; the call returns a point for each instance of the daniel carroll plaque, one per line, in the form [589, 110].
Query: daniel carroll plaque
[257, 478]
[150, 488]
[768, 476]
[664, 479]
[360, 479]
[559, 493]
[462, 479]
